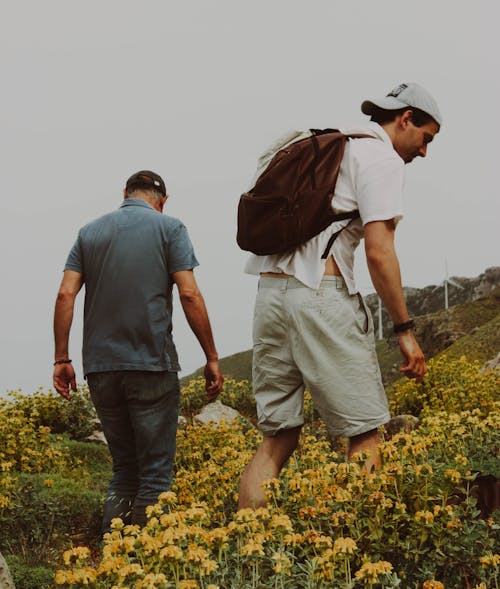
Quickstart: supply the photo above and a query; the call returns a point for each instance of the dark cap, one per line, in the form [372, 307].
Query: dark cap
[146, 180]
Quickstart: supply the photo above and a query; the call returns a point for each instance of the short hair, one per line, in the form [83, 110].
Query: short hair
[156, 195]
[419, 117]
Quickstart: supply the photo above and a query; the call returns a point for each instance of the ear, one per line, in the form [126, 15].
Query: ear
[406, 118]
[162, 202]
[124, 193]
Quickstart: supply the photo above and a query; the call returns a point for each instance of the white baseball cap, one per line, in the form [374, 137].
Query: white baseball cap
[405, 95]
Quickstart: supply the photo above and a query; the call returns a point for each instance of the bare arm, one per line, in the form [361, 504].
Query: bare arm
[195, 310]
[64, 374]
[384, 270]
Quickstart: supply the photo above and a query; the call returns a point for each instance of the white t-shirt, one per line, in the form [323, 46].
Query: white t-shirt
[371, 179]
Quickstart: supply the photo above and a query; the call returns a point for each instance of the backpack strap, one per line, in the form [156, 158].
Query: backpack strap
[315, 133]
[341, 216]
[352, 215]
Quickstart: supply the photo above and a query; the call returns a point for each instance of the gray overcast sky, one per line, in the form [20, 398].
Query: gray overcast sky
[94, 91]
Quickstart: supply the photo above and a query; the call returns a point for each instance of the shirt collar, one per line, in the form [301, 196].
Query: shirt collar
[136, 202]
[380, 132]
[371, 128]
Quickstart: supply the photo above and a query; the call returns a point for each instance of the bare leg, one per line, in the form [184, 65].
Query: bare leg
[368, 441]
[266, 464]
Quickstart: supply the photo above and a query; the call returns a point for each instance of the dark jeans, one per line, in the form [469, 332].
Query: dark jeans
[138, 411]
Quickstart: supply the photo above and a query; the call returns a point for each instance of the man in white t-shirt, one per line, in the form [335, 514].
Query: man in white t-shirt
[312, 328]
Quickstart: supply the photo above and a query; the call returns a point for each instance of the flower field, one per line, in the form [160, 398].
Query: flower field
[416, 523]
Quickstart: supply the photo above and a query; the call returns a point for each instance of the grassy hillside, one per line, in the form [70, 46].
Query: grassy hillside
[438, 331]
[482, 344]
[237, 366]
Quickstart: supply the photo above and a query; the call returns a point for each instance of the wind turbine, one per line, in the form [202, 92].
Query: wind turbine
[445, 283]
[380, 328]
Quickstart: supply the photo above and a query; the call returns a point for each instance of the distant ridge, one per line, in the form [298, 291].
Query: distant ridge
[430, 299]
[471, 326]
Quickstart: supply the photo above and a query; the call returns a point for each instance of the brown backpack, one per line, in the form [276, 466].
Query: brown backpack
[292, 199]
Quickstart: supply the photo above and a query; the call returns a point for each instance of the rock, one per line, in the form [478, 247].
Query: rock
[492, 364]
[215, 413]
[401, 423]
[6, 581]
[430, 299]
[487, 282]
[97, 437]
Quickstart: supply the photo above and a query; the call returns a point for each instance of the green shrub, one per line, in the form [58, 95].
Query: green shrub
[94, 461]
[449, 385]
[26, 576]
[47, 510]
[75, 417]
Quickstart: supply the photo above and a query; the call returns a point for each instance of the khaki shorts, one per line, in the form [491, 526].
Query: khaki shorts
[321, 340]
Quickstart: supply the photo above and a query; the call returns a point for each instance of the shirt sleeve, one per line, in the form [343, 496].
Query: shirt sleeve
[75, 259]
[379, 183]
[180, 252]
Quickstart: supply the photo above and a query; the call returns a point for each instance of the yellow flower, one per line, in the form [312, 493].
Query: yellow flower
[117, 523]
[344, 545]
[209, 566]
[111, 564]
[171, 552]
[490, 560]
[218, 535]
[371, 571]
[426, 516]
[431, 584]
[188, 584]
[130, 569]
[76, 555]
[195, 553]
[282, 563]
[246, 515]
[60, 577]
[281, 521]
[84, 575]
[167, 497]
[292, 539]
[252, 547]
[453, 475]
[150, 581]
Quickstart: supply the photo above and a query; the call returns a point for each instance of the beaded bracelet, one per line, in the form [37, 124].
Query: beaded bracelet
[67, 361]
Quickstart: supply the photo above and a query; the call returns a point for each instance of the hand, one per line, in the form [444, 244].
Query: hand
[64, 379]
[213, 380]
[415, 361]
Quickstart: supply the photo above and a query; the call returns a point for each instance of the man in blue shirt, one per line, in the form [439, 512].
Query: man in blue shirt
[129, 260]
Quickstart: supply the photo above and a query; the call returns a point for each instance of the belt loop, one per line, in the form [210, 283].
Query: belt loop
[283, 284]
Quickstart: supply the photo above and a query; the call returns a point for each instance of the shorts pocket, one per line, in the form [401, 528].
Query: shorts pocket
[364, 314]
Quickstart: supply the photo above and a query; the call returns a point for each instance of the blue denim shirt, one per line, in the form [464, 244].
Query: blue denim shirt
[127, 258]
